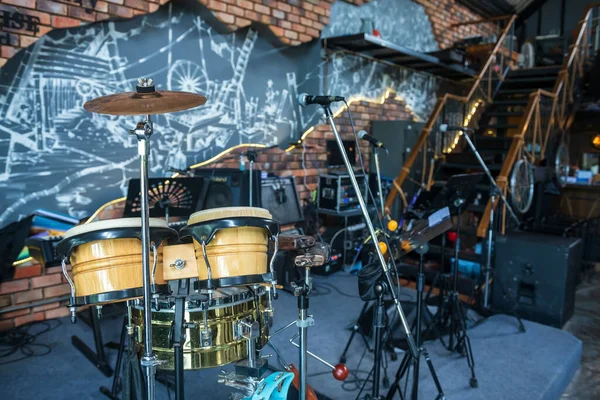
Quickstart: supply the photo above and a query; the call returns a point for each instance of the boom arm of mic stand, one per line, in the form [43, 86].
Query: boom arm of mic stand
[363, 207]
[487, 171]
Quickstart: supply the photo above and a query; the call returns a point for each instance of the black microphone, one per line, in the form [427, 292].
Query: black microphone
[306, 99]
[364, 135]
[446, 128]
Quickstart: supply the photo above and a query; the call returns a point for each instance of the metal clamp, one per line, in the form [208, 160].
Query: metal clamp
[206, 333]
[308, 322]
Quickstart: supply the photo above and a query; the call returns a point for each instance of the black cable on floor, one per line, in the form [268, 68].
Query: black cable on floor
[21, 340]
[331, 286]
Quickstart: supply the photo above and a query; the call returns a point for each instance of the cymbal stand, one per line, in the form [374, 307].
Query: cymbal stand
[142, 132]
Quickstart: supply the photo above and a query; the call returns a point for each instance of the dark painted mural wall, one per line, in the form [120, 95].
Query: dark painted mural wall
[55, 155]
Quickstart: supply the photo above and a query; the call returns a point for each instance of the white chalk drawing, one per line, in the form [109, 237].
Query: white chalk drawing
[54, 154]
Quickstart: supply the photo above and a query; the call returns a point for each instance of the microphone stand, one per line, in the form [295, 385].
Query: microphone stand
[378, 172]
[464, 133]
[412, 346]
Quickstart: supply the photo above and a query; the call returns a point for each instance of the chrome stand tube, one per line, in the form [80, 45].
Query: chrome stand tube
[304, 321]
[148, 361]
[491, 178]
[488, 264]
[251, 172]
[378, 171]
[409, 336]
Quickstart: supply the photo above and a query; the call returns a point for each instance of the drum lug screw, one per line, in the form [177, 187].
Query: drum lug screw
[99, 312]
[73, 314]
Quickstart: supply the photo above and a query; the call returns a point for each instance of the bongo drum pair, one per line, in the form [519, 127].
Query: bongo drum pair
[230, 248]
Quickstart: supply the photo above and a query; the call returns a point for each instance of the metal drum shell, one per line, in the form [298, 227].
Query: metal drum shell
[110, 265]
[226, 346]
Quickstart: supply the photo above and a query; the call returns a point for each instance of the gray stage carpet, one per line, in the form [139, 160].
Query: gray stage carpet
[538, 364]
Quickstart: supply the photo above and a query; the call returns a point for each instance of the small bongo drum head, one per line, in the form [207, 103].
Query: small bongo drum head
[114, 224]
[228, 212]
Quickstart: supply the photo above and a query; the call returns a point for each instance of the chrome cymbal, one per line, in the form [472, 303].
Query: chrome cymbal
[134, 103]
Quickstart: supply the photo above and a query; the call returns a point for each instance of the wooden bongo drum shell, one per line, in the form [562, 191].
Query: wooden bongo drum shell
[111, 265]
[233, 251]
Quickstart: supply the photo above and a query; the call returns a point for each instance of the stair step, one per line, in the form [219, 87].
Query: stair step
[511, 102]
[489, 143]
[529, 81]
[498, 126]
[464, 166]
[503, 114]
[538, 71]
[504, 91]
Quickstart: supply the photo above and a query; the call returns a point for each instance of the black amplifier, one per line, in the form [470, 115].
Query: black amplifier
[535, 275]
[337, 193]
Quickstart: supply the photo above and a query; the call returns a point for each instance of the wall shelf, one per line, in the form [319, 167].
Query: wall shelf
[374, 47]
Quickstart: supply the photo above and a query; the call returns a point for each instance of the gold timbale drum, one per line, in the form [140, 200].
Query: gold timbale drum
[236, 251]
[110, 269]
[226, 345]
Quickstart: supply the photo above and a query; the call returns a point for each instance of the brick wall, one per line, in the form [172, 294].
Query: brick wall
[445, 13]
[31, 283]
[283, 163]
[293, 22]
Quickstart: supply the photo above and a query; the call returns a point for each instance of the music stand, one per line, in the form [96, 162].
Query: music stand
[168, 197]
[417, 239]
[453, 195]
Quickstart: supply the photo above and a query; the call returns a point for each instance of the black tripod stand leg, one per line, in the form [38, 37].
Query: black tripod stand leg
[355, 329]
[402, 369]
[520, 321]
[97, 358]
[436, 380]
[113, 393]
[464, 342]
[513, 312]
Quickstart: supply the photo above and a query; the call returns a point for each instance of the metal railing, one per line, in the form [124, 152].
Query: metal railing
[459, 110]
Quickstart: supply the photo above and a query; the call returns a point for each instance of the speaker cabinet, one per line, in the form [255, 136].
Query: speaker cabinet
[280, 197]
[535, 275]
[229, 187]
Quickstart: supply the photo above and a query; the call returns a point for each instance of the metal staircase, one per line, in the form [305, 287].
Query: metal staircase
[520, 118]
